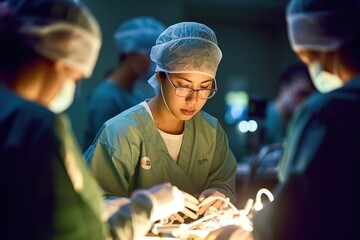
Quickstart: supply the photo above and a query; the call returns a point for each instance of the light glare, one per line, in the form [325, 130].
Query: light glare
[243, 126]
[253, 126]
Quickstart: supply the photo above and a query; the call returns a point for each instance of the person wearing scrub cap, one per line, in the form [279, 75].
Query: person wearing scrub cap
[169, 138]
[125, 85]
[48, 192]
[318, 197]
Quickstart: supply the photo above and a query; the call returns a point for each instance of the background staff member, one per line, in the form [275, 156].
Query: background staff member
[124, 86]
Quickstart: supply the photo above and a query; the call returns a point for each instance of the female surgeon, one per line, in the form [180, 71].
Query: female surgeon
[319, 194]
[47, 190]
[168, 138]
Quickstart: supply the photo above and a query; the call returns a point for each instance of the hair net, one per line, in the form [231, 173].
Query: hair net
[322, 24]
[138, 34]
[186, 47]
[60, 29]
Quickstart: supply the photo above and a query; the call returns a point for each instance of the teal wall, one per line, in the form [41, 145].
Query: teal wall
[252, 35]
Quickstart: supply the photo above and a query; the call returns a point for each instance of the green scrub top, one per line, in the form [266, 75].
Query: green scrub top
[78, 203]
[129, 153]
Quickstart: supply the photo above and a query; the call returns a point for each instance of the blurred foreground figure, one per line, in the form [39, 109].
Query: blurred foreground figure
[319, 195]
[48, 192]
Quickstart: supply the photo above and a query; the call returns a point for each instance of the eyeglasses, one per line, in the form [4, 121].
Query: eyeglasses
[186, 91]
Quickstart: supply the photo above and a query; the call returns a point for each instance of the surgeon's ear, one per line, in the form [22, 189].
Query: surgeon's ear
[72, 73]
[160, 77]
[58, 64]
[53, 67]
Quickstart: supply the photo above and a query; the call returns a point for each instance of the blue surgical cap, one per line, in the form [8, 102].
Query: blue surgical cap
[186, 47]
[138, 34]
[322, 25]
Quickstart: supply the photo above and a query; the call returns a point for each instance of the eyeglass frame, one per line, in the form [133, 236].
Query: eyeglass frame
[214, 90]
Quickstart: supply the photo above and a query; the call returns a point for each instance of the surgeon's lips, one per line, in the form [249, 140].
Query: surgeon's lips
[188, 112]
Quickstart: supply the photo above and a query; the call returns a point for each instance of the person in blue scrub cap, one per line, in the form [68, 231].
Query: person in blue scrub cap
[125, 85]
[48, 192]
[318, 197]
[168, 138]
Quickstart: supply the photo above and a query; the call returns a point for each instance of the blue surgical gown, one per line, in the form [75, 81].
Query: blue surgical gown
[129, 153]
[319, 196]
[105, 101]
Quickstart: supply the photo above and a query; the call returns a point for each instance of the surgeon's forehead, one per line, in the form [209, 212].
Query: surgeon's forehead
[307, 56]
[192, 77]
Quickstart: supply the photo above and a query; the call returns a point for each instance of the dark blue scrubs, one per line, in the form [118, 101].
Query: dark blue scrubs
[319, 194]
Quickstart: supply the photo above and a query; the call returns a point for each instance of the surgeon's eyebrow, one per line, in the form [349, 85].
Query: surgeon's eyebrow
[190, 81]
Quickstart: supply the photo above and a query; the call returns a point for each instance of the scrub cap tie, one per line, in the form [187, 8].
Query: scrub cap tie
[138, 34]
[60, 29]
[322, 25]
[186, 47]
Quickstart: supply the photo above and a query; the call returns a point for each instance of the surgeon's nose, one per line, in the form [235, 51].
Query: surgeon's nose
[193, 98]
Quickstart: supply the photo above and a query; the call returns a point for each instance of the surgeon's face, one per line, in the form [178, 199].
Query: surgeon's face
[57, 74]
[65, 89]
[63, 74]
[309, 56]
[185, 107]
